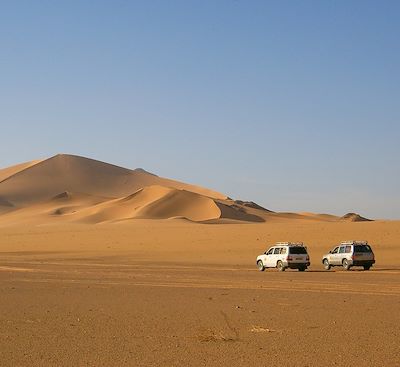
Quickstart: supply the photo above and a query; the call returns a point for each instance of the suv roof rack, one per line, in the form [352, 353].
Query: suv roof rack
[289, 244]
[354, 242]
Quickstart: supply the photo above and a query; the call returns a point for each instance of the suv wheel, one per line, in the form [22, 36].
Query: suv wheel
[302, 268]
[280, 266]
[366, 267]
[260, 265]
[346, 265]
[327, 266]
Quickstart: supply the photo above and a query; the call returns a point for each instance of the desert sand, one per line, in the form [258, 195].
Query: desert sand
[105, 266]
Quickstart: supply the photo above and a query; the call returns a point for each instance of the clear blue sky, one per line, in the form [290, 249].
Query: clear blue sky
[292, 104]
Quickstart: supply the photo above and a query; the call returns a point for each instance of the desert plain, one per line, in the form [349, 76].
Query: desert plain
[102, 266]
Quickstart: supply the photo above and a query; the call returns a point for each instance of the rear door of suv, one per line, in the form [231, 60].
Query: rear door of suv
[298, 254]
[362, 253]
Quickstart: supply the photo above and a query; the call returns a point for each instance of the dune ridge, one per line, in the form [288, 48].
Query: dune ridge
[11, 171]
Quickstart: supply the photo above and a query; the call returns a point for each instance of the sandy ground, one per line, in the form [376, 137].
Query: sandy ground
[173, 293]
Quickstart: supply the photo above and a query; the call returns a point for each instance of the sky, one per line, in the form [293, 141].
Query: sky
[292, 104]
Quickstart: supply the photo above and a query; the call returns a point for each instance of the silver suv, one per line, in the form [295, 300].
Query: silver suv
[348, 254]
[284, 255]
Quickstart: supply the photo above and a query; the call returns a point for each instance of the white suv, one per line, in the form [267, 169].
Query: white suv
[284, 255]
[348, 254]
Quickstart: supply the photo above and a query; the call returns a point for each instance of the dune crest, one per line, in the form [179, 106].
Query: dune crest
[10, 171]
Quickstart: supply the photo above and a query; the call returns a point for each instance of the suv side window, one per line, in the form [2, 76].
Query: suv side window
[283, 250]
[348, 249]
[277, 251]
[335, 251]
[270, 251]
[342, 249]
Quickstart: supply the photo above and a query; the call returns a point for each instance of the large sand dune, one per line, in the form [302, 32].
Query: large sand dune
[77, 189]
[36, 182]
[30, 187]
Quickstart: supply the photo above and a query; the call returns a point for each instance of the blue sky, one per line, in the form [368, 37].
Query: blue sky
[292, 104]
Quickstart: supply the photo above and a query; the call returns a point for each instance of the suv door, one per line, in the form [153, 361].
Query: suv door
[334, 256]
[342, 254]
[269, 261]
[277, 255]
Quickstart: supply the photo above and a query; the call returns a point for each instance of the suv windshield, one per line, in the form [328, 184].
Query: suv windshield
[297, 250]
[362, 248]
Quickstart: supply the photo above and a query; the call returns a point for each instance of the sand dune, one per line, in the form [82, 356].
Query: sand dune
[74, 188]
[181, 203]
[77, 189]
[45, 179]
[354, 217]
[153, 202]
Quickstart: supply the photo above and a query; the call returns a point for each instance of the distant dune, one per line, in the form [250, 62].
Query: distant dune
[77, 189]
[354, 217]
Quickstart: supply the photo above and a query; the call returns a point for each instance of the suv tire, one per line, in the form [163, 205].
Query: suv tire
[260, 265]
[367, 267]
[346, 265]
[327, 266]
[280, 266]
[302, 268]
